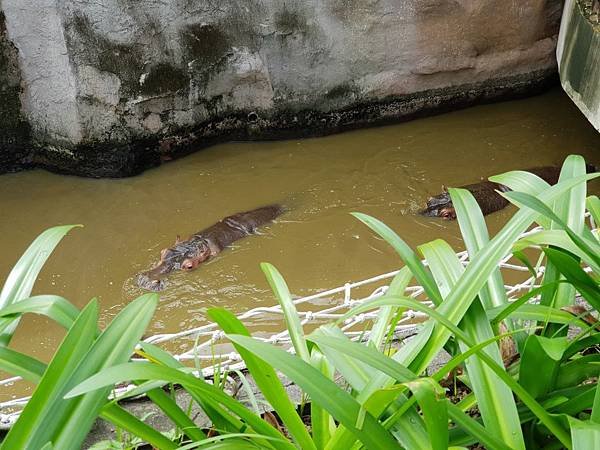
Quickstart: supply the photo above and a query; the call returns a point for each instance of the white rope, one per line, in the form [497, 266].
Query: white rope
[199, 342]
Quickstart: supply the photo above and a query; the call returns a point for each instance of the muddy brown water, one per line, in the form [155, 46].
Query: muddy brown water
[387, 172]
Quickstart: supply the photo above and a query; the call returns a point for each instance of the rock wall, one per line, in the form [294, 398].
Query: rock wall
[111, 87]
[14, 130]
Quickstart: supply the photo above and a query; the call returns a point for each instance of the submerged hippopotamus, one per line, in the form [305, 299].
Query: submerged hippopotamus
[486, 195]
[189, 254]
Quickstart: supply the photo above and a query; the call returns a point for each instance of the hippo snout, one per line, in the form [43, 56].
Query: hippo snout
[437, 206]
[150, 284]
[430, 212]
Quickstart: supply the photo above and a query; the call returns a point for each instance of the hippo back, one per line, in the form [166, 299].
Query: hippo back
[257, 217]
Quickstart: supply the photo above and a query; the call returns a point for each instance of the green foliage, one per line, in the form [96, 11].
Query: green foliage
[545, 394]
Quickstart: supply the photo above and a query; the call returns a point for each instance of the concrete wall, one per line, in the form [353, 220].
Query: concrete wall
[578, 55]
[113, 86]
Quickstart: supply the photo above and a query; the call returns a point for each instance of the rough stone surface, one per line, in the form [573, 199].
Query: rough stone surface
[112, 87]
[14, 135]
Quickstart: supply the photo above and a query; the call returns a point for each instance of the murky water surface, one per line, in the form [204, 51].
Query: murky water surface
[387, 172]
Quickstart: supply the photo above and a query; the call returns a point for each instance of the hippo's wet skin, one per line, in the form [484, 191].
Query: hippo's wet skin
[484, 192]
[486, 195]
[189, 254]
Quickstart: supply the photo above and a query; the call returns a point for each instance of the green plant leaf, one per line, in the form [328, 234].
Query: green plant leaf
[114, 346]
[556, 238]
[580, 344]
[20, 280]
[229, 441]
[356, 373]
[544, 313]
[430, 397]
[497, 315]
[290, 314]
[400, 373]
[570, 207]
[578, 371]
[521, 181]
[579, 398]
[124, 420]
[588, 244]
[150, 371]
[323, 391]
[540, 361]
[409, 257]
[355, 363]
[266, 379]
[75, 357]
[172, 410]
[474, 428]
[326, 338]
[592, 204]
[220, 418]
[321, 421]
[494, 398]
[33, 429]
[585, 435]
[532, 404]
[52, 306]
[385, 315]
[19, 364]
[475, 235]
[571, 269]
[595, 417]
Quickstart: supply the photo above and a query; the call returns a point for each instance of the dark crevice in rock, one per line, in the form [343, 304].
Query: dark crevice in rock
[163, 78]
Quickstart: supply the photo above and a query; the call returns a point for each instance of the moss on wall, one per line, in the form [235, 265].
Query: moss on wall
[288, 21]
[205, 43]
[125, 61]
[163, 78]
[14, 139]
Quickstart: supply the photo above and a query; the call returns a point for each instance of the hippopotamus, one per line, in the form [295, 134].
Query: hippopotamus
[198, 248]
[486, 194]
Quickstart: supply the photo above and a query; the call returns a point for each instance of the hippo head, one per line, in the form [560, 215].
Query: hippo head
[193, 259]
[440, 206]
[183, 256]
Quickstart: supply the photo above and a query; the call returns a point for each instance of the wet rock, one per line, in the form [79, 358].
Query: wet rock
[14, 136]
